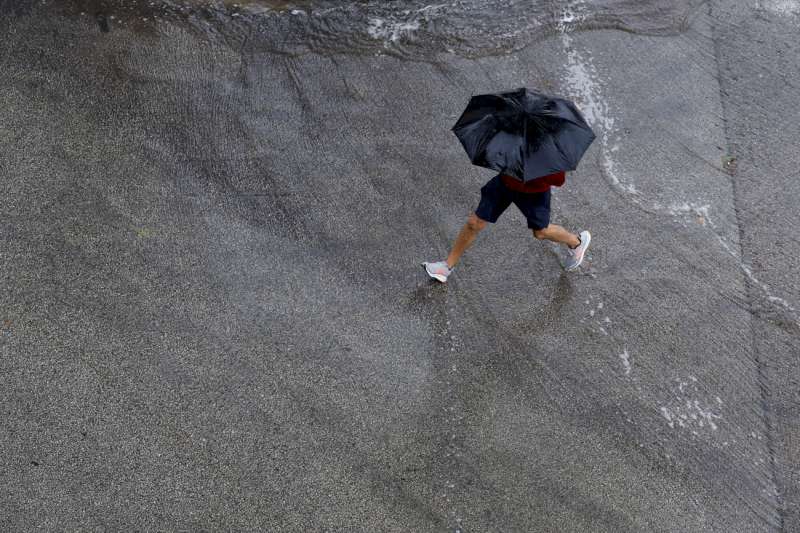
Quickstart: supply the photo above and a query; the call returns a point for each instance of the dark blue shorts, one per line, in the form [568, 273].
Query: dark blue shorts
[496, 197]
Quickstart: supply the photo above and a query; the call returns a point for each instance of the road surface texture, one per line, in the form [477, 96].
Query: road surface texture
[214, 316]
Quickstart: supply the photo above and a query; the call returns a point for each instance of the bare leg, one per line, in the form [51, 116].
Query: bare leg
[556, 233]
[465, 238]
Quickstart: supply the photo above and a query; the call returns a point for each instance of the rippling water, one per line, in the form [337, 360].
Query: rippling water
[413, 28]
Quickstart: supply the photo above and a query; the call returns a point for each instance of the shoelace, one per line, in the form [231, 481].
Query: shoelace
[442, 270]
[574, 251]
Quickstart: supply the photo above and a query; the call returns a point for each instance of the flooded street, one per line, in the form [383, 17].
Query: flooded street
[212, 220]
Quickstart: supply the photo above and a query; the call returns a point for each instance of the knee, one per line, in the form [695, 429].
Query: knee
[541, 233]
[474, 223]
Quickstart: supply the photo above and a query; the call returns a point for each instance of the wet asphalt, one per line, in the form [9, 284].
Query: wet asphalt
[214, 316]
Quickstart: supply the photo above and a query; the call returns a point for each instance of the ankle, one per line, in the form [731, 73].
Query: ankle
[576, 245]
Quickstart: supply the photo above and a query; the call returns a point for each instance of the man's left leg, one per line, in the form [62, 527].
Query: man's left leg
[556, 233]
[577, 243]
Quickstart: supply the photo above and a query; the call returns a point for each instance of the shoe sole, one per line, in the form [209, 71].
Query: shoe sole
[588, 242]
[437, 277]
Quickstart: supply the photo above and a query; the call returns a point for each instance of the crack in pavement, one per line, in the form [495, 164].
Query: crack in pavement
[749, 279]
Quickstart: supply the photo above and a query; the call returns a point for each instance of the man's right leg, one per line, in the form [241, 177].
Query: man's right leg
[465, 238]
[494, 200]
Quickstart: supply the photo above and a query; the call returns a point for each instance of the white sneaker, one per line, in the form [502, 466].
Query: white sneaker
[577, 254]
[438, 270]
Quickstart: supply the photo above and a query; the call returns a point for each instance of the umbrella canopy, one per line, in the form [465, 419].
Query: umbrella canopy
[523, 133]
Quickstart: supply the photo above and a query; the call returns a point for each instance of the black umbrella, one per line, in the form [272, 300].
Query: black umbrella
[523, 133]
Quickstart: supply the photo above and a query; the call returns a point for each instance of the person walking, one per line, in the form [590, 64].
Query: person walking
[531, 139]
[533, 200]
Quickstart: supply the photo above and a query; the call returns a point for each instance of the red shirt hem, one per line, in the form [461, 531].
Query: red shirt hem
[540, 184]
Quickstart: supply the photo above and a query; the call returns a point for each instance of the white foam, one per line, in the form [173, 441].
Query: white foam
[771, 298]
[626, 361]
[700, 210]
[686, 411]
[432, 7]
[668, 416]
[391, 31]
[781, 7]
[582, 80]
